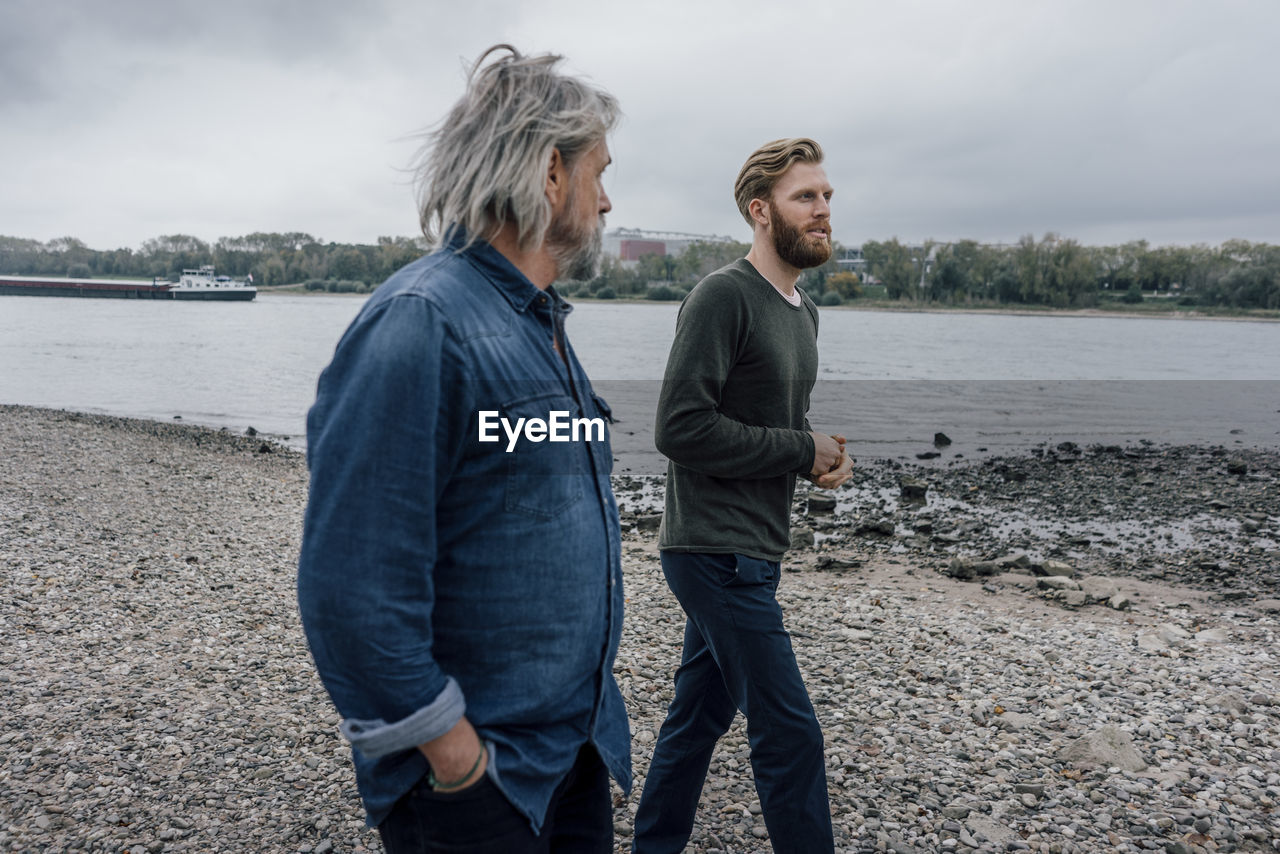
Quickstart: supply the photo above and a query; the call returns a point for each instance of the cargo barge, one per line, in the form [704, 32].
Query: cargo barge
[58, 286]
[197, 284]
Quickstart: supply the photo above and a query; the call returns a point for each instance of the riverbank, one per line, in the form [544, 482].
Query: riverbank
[160, 696]
[1148, 310]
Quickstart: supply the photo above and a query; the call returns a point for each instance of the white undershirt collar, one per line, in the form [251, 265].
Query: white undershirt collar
[795, 299]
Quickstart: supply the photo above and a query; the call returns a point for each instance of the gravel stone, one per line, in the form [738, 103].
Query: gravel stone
[159, 696]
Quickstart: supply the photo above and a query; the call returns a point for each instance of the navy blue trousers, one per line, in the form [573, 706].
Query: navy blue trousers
[737, 657]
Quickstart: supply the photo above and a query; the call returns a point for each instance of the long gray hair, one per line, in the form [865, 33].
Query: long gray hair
[486, 163]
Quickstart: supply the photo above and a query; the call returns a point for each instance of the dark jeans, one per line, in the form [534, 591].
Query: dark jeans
[737, 656]
[479, 820]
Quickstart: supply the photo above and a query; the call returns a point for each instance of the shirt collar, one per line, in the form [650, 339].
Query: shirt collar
[501, 273]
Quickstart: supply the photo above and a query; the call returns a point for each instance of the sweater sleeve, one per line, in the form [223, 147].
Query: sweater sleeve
[811, 307]
[713, 326]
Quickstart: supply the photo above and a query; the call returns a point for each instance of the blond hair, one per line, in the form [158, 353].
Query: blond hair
[486, 164]
[766, 166]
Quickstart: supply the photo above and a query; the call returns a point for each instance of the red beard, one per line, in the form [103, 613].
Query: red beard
[795, 246]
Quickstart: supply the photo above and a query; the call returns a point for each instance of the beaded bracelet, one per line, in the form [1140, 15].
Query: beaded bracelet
[437, 786]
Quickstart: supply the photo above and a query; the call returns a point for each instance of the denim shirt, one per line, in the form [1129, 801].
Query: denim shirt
[441, 575]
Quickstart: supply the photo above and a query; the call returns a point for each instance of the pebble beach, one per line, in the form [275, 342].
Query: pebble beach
[1070, 650]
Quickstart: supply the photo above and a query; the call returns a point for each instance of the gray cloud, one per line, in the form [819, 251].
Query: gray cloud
[1100, 120]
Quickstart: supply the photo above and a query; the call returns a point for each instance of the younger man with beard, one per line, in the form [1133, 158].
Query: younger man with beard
[732, 421]
[462, 598]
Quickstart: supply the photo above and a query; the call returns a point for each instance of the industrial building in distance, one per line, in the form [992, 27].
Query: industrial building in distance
[629, 245]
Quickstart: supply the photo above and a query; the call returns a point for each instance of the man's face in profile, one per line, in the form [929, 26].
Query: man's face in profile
[576, 235]
[800, 216]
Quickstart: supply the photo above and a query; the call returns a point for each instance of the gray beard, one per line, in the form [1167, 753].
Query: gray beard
[577, 259]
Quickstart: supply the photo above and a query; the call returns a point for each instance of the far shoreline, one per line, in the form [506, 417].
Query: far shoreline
[1249, 315]
[1263, 315]
[1258, 315]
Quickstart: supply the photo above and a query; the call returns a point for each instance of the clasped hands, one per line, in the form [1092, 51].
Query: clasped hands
[832, 467]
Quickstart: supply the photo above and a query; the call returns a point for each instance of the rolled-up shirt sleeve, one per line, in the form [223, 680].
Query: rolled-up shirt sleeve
[376, 737]
[387, 422]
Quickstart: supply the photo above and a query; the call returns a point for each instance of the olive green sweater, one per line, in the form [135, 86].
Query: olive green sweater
[731, 415]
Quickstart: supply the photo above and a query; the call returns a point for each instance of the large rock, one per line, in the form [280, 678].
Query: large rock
[967, 568]
[1018, 560]
[1163, 637]
[1173, 635]
[1074, 598]
[821, 503]
[802, 538]
[913, 489]
[1015, 721]
[1230, 700]
[1213, 636]
[1108, 747]
[986, 567]
[648, 521]
[1022, 582]
[883, 527]
[1053, 567]
[1097, 588]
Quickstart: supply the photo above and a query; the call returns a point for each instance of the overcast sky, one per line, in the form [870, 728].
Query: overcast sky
[1104, 121]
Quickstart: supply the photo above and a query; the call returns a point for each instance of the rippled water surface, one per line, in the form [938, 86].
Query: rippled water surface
[889, 381]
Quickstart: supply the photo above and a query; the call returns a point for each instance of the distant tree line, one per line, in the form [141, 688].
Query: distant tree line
[1061, 272]
[668, 277]
[1052, 271]
[295, 258]
[273, 259]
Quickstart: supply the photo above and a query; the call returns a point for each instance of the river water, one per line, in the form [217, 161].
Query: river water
[889, 381]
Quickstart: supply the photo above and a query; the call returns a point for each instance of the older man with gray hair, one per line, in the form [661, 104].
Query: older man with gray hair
[462, 596]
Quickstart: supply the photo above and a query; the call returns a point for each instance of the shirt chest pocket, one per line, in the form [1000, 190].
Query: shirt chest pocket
[547, 465]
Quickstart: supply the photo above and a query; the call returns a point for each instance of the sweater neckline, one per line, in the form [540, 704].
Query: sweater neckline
[794, 306]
